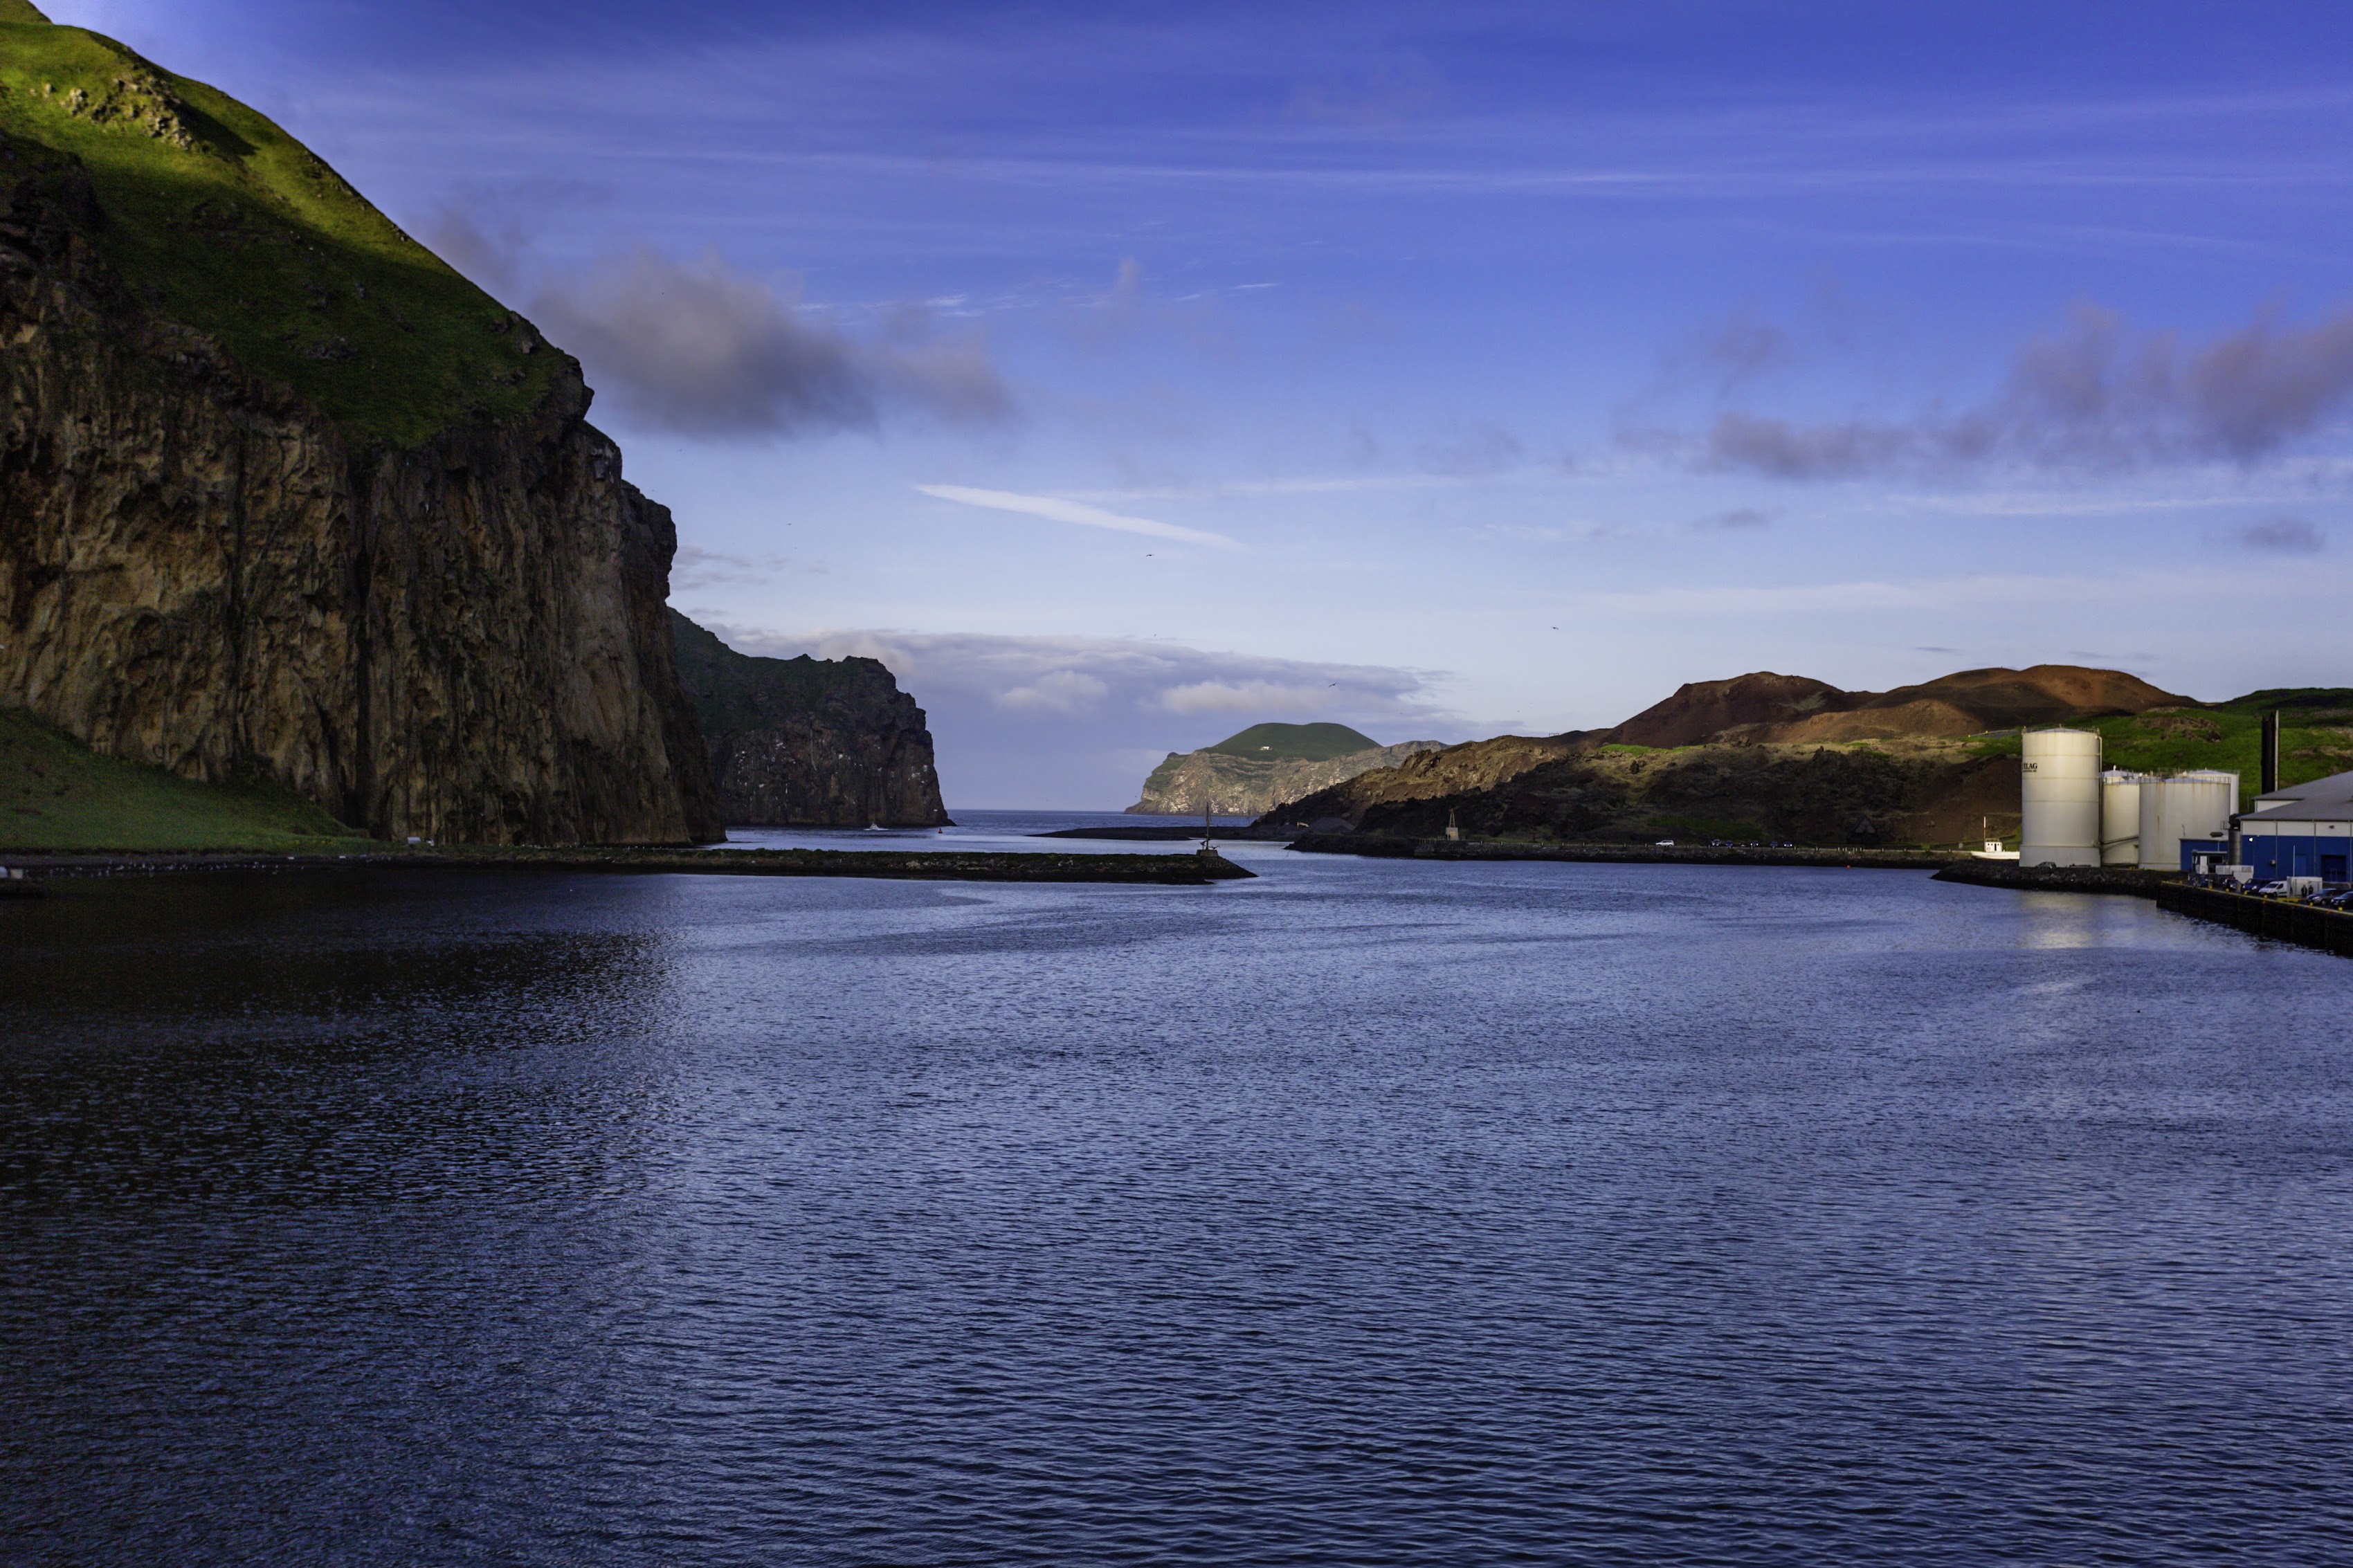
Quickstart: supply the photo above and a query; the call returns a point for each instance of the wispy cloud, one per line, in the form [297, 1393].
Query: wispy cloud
[1057, 509]
[704, 350]
[2278, 536]
[694, 568]
[2097, 395]
[1739, 517]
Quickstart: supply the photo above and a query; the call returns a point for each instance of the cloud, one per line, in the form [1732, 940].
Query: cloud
[1244, 696]
[2279, 536]
[2096, 395]
[1388, 98]
[1743, 346]
[704, 350]
[693, 567]
[1056, 691]
[1076, 723]
[1477, 448]
[1739, 517]
[1056, 509]
[488, 258]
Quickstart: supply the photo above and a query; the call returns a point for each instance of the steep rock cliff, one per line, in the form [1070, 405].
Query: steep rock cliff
[809, 742]
[392, 569]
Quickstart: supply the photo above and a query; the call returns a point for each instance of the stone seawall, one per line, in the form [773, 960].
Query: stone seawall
[2331, 930]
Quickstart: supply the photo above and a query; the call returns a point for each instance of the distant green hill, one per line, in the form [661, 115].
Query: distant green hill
[222, 222]
[57, 794]
[1301, 742]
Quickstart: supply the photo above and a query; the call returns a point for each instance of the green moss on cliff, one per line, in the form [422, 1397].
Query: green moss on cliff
[57, 794]
[222, 222]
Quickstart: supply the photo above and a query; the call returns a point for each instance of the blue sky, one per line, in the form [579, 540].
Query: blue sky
[1125, 374]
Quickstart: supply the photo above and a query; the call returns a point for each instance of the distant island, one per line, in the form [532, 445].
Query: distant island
[1264, 765]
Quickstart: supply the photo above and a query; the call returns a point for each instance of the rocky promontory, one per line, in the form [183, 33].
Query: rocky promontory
[808, 742]
[283, 497]
[1263, 766]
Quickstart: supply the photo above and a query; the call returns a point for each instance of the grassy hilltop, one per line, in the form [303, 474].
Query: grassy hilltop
[1303, 742]
[222, 222]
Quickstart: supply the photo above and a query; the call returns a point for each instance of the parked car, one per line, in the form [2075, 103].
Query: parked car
[2269, 889]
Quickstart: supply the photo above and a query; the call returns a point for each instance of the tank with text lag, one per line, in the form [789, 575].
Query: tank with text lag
[2058, 798]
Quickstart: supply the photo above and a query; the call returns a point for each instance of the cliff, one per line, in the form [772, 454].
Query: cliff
[283, 497]
[808, 742]
[1263, 766]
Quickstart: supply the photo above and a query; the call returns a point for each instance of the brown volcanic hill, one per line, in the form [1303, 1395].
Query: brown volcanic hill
[2043, 694]
[1703, 709]
[1790, 709]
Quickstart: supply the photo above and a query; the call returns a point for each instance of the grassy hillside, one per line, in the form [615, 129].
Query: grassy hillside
[1304, 743]
[57, 794]
[2315, 737]
[222, 221]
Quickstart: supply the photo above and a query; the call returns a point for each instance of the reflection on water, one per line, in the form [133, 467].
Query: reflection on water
[1371, 1212]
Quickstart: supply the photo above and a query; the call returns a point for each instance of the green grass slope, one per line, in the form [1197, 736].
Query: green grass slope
[2315, 737]
[1305, 742]
[225, 222]
[57, 794]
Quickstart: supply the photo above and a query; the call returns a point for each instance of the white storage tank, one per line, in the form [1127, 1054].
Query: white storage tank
[2187, 805]
[2119, 817]
[2059, 797]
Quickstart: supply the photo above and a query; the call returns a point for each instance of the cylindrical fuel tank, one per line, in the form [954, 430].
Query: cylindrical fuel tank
[2119, 818]
[2059, 798]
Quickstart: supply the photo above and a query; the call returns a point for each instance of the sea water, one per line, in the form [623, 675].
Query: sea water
[1372, 1212]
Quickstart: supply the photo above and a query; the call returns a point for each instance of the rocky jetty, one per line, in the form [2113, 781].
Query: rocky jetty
[282, 497]
[808, 742]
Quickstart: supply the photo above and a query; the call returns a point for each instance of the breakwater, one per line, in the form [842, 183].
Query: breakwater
[1661, 854]
[2328, 930]
[1162, 870]
[2126, 880]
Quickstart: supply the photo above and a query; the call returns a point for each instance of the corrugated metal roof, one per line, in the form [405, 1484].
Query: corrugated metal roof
[2335, 790]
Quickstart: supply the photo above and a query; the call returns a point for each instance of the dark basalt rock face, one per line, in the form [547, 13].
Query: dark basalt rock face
[805, 743]
[464, 638]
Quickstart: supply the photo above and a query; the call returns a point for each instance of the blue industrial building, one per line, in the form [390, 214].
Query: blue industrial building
[2304, 830]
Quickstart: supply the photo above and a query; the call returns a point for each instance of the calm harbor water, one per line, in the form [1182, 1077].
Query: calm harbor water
[1373, 1212]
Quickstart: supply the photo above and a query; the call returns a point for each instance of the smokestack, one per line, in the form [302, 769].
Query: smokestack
[2271, 769]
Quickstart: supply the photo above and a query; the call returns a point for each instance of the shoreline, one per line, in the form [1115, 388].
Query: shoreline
[1638, 854]
[938, 866]
[1243, 833]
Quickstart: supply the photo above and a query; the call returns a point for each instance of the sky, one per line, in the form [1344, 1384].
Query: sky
[1124, 374]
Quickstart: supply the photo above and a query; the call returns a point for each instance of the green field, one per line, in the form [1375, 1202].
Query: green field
[2315, 737]
[221, 221]
[57, 794]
